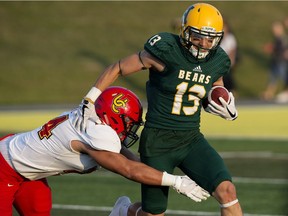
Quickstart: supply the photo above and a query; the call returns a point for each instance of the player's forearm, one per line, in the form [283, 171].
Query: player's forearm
[123, 67]
[132, 170]
[109, 75]
[147, 175]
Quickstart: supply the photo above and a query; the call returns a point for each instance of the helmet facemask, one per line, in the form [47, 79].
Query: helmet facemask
[129, 135]
[192, 34]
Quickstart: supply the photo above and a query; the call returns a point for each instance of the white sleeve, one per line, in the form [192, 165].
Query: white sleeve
[102, 137]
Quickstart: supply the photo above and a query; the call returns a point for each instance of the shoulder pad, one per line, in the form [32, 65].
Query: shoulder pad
[161, 43]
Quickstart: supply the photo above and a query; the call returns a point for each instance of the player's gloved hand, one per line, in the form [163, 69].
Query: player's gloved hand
[186, 186]
[86, 110]
[227, 111]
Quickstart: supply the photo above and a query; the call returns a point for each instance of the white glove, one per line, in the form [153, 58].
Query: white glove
[85, 111]
[227, 111]
[186, 186]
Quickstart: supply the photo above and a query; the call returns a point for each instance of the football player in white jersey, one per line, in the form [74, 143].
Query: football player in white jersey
[58, 147]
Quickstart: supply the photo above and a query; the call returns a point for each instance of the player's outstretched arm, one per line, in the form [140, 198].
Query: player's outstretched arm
[139, 172]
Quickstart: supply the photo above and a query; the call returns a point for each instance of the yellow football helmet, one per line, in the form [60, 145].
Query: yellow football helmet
[200, 22]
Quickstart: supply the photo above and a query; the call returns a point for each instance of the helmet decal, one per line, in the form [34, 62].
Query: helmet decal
[118, 103]
[184, 17]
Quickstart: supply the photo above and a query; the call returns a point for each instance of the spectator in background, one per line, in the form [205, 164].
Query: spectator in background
[282, 97]
[229, 45]
[176, 25]
[278, 63]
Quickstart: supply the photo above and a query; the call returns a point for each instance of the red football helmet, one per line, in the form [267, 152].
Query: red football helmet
[121, 109]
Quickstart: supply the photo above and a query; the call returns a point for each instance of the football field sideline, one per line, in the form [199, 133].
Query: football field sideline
[254, 122]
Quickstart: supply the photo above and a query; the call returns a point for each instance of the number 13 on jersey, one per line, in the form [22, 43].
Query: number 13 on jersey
[182, 88]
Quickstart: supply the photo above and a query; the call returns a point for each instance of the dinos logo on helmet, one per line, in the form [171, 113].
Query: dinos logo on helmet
[118, 102]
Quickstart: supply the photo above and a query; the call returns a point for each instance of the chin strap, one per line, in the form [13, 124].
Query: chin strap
[226, 205]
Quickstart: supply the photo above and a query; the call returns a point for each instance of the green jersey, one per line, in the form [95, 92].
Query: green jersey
[175, 95]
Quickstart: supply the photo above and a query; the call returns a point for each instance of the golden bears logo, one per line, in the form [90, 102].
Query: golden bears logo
[119, 102]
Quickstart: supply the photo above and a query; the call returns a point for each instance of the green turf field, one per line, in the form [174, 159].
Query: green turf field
[254, 147]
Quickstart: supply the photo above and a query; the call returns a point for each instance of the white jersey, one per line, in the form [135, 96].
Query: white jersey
[47, 151]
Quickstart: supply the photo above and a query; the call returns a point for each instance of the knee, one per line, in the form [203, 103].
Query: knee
[225, 192]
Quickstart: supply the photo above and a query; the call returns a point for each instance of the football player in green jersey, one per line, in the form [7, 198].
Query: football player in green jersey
[182, 70]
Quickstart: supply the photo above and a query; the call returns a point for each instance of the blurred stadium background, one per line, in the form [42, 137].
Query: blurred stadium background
[52, 52]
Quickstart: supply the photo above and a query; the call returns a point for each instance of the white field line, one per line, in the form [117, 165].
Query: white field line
[254, 154]
[260, 181]
[175, 212]
[249, 137]
[265, 155]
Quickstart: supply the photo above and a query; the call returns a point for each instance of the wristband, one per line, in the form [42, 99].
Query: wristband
[93, 94]
[168, 179]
